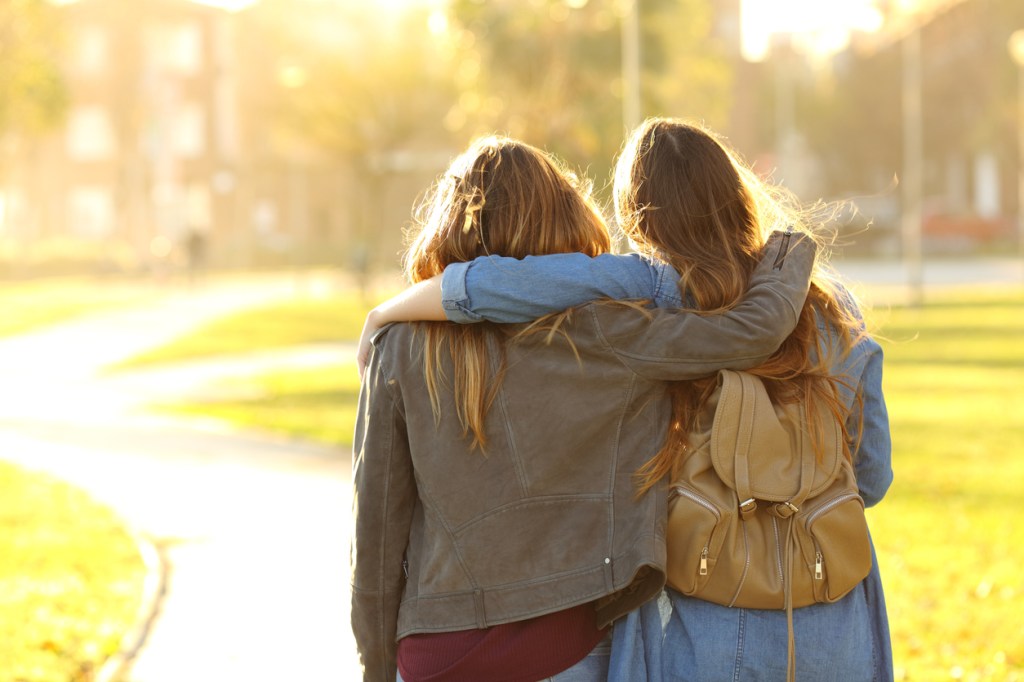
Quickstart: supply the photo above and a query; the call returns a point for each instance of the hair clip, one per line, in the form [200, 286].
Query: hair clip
[471, 209]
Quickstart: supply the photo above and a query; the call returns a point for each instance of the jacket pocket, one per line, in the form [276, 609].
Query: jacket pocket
[836, 548]
[694, 539]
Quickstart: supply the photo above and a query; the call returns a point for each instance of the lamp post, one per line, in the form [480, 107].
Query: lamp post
[912, 164]
[1016, 47]
[631, 65]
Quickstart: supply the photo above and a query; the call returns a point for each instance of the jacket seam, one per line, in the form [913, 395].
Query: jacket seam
[614, 466]
[531, 582]
[382, 596]
[740, 634]
[524, 483]
[456, 548]
[532, 501]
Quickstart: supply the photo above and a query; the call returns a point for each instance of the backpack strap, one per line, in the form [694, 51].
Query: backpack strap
[790, 639]
[747, 399]
[742, 396]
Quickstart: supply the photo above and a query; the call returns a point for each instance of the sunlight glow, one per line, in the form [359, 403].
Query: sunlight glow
[229, 5]
[816, 26]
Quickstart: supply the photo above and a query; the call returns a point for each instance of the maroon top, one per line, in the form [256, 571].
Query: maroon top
[525, 651]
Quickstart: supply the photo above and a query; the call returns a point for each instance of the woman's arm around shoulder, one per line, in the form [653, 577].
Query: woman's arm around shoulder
[501, 289]
[678, 345]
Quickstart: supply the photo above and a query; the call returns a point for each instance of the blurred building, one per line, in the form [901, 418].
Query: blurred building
[969, 120]
[146, 158]
[166, 156]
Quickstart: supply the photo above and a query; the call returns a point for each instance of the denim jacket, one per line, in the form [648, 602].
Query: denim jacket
[448, 538]
[713, 644]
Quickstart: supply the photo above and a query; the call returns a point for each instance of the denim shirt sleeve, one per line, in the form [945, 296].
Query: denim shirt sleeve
[501, 289]
[873, 459]
[861, 370]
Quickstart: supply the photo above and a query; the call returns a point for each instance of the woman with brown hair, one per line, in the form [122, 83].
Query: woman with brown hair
[497, 527]
[692, 208]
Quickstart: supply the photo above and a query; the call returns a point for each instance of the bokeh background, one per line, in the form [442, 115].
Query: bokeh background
[199, 202]
[300, 131]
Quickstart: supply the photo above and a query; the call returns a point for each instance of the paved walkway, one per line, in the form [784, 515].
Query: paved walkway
[254, 530]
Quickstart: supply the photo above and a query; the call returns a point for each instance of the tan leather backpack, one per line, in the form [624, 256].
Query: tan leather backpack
[755, 520]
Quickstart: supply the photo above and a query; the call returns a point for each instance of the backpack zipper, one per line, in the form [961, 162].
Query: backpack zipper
[778, 551]
[828, 506]
[819, 558]
[746, 565]
[703, 502]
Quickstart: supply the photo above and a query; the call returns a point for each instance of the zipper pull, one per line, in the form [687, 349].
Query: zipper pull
[405, 568]
[780, 258]
[704, 561]
[818, 560]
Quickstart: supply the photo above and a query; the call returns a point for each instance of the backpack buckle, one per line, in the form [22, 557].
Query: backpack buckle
[784, 510]
[748, 507]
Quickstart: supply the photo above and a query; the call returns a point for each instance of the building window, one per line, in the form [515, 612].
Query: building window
[198, 206]
[90, 135]
[177, 49]
[190, 131]
[91, 211]
[91, 49]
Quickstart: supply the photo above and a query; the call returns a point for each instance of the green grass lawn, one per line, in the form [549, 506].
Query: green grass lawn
[316, 404]
[337, 317]
[950, 534]
[30, 305]
[70, 580]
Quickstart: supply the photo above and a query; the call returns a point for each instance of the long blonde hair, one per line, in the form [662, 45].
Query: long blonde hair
[681, 195]
[500, 197]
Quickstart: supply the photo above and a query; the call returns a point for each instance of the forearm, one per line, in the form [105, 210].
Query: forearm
[421, 301]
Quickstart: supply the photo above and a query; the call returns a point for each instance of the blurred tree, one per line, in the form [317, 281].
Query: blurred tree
[851, 114]
[349, 79]
[390, 94]
[549, 71]
[691, 74]
[850, 117]
[356, 92]
[33, 96]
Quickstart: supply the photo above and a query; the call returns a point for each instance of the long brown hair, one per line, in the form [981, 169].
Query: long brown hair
[682, 196]
[499, 197]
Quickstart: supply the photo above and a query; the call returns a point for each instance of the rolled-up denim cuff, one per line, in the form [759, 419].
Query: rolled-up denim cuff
[454, 298]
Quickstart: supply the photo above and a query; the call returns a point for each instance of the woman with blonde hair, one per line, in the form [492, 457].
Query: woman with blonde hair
[498, 530]
[695, 211]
